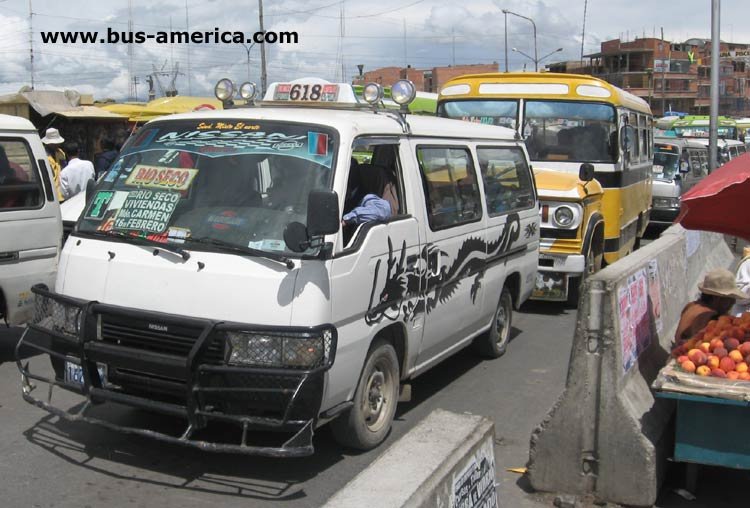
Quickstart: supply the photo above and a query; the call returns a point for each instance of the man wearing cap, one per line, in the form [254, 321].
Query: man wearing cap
[718, 294]
[52, 141]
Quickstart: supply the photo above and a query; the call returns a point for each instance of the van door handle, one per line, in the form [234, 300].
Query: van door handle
[436, 271]
[8, 257]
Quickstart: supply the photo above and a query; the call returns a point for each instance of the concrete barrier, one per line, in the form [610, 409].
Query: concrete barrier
[605, 436]
[448, 460]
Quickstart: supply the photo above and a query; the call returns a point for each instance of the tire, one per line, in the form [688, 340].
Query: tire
[368, 422]
[594, 261]
[494, 343]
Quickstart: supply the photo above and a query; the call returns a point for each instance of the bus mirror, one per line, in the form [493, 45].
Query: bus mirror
[295, 237]
[586, 172]
[624, 140]
[323, 213]
[90, 188]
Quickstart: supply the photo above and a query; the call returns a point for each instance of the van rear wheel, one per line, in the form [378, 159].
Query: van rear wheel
[369, 420]
[494, 342]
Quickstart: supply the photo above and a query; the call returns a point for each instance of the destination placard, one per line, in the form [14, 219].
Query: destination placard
[146, 210]
[161, 177]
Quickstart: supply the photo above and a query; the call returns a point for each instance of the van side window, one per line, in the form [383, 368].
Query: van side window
[507, 179]
[20, 187]
[450, 186]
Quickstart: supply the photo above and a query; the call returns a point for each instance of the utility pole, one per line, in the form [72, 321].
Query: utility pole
[714, 113]
[31, 44]
[583, 32]
[131, 78]
[453, 48]
[263, 75]
[406, 62]
[187, 29]
[505, 14]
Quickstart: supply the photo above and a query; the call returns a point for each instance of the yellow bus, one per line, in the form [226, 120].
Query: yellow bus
[572, 124]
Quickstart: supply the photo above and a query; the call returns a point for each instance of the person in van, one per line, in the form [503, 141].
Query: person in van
[75, 176]
[10, 175]
[372, 206]
[106, 157]
[56, 157]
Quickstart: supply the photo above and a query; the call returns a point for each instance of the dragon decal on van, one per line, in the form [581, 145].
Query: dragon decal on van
[404, 275]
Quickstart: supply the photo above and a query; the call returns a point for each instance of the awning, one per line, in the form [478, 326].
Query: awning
[92, 112]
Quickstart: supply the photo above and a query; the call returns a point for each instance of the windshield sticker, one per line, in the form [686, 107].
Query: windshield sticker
[268, 245]
[147, 210]
[317, 143]
[161, 177]
[99, 205]
[172, 235]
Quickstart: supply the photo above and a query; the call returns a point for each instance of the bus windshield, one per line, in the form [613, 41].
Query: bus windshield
[703, 131]
[666, 165]
[491, 112]
[226, 183]
[570, 131]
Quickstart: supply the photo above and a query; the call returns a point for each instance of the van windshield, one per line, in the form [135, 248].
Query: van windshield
[212, 183]
[666, 165]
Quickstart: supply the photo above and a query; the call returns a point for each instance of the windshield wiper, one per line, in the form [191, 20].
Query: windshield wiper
[141, 240]
[239, 249]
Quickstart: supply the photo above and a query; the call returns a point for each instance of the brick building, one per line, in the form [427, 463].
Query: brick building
[671, 76]
[426, 80]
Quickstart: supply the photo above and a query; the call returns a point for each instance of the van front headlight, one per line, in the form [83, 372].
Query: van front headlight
[567, 216]
[307, 350]
[57, 316]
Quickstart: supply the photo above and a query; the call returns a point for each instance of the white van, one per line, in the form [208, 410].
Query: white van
[210, 277]
[30, 227]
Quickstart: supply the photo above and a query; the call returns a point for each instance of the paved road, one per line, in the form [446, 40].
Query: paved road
[46, 462]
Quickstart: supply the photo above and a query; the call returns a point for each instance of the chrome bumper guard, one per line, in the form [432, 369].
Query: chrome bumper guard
[184, 378]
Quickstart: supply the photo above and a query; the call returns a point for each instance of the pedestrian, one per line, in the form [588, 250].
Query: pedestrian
[106, 157]
[742, 279]
[718, 294]
[56, 157]
[75, 176]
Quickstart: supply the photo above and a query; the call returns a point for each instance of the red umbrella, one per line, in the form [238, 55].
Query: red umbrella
[721, 201]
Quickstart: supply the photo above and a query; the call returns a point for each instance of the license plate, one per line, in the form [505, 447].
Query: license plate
[74, 373]
[550, 286]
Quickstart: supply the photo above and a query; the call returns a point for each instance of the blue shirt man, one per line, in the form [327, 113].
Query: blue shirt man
[371, 208]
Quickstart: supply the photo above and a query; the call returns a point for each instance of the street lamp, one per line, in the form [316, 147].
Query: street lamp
[248, 48]
[535, 59]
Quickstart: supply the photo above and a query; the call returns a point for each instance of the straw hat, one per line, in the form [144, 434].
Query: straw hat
[720, 282]
[52, 137]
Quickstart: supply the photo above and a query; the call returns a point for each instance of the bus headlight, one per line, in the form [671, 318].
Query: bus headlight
[564, 216]
[403, 92]
[290, 350]
[372, 93]
[248, 90]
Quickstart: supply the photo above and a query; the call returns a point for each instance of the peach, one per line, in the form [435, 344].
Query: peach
[718, 373]
[747, 359]
[721, 352]
[716, 343]
[712, 324]
[705, 347]
[697, 356]
[713, 361]
[726, 364]
[703, 370]
[724, 320]
[736, 356]
[733, 375]
[745, 348]
[744, 376]
[688, 366]
[682, 358]
[742, 367]
[731, 344]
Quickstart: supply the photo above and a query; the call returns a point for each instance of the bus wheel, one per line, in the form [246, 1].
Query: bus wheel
[367, 423]
[594, 261]
[494, 342]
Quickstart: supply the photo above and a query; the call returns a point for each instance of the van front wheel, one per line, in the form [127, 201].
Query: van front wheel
[367, 423]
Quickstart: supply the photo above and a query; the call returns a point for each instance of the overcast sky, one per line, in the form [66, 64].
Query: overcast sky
[422, 33]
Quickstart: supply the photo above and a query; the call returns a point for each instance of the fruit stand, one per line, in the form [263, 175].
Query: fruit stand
[709, 380]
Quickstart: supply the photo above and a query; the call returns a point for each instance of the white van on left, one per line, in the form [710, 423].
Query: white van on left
[30, 223]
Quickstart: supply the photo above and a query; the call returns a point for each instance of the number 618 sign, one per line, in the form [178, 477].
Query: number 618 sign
[306, 92]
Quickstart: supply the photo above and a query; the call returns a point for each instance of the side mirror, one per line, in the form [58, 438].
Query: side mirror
[90, 188]
[323, 216]
[684, 167]
[322, 219]
[586, 172]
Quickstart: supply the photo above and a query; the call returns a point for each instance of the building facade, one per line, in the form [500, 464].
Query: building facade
[426, 80]
[671, 77]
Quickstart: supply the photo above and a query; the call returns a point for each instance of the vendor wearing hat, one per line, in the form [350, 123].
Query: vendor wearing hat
[52, 144]
[718, 294]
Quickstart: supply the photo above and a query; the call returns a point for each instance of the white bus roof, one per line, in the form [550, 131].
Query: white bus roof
[355, 123]
[15, 123]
